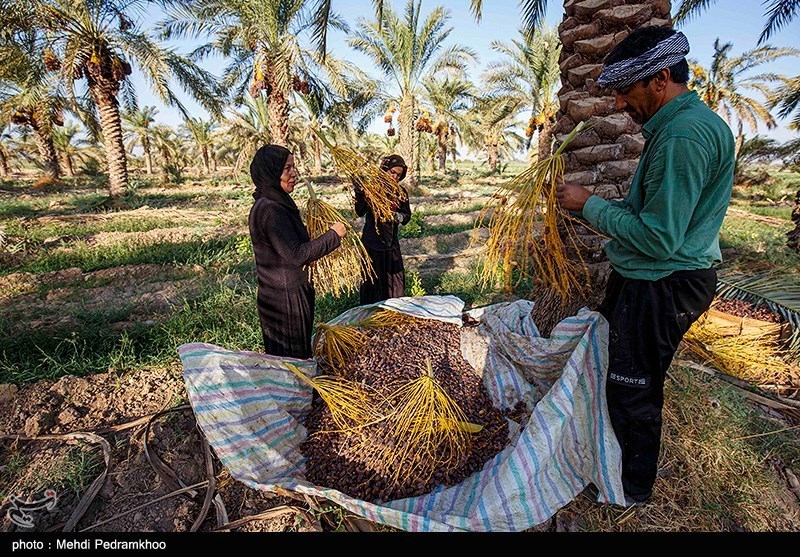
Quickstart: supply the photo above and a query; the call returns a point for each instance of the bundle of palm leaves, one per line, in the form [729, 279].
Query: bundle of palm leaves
[342, 271]
[381, 192]
[529, 231]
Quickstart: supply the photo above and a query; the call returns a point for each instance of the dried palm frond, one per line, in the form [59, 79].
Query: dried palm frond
[342, 271]
[381, 192]
[424, 430]
[752, 356]
[529, 231]
[778, 292]
[350, 404]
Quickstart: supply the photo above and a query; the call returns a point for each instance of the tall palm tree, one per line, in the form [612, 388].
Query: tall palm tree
[724, 84]
[529, 70]
[69, 145]
[406, 50]
[449, 98]
[492, 124]
[5, 156]
[138, 131]
[98, 40]
[30, 93]
[327, 109]
[604, 158]
[262, 39]
[786, 98]
[248, 130]
[171, 150]
[201, 132]
[778, 14]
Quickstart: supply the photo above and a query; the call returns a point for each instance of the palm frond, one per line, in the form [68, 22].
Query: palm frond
[778, 292]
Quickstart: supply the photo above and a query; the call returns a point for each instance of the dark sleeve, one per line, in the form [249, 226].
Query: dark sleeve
[280, 232]
[405, 210]
[361, 205]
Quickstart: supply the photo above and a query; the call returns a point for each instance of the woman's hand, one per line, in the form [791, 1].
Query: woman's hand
[340, 229]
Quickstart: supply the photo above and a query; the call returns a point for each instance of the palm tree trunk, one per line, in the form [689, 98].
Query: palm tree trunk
[441, 151]
[148, 157]
[794, 235]
[405, 143]
[545, 144]
[164, 167]
[103, 92]
[605, 157]
[70, 166]
[278, 110]
[317, 157]
[206, 166]
[4, 171]
[47, 150]
[493, 156]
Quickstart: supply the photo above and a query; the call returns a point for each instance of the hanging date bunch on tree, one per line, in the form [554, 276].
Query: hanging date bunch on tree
[530, 233]
[424, 123]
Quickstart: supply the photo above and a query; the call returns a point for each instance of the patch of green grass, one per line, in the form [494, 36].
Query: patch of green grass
[415, 227]
[10, 467]
[221, 315]
[40, 232]
[91, 258]
[783, 212]
[327, 307]
[447, 229]
[10, 209]
[756, 242]
[450, 208]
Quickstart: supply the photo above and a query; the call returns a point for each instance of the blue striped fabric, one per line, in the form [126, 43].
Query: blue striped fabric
[251, 410]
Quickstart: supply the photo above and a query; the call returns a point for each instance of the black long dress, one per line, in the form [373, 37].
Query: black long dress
[383, 248]
[282, 248]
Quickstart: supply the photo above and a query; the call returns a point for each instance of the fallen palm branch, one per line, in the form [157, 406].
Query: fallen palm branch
[350, 404]
[530, 232]
[381, 192]
[342, 271]
[780, 293]
[753, 356]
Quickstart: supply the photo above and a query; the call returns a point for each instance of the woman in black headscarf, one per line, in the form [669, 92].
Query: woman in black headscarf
[282, 250]
[382, 243]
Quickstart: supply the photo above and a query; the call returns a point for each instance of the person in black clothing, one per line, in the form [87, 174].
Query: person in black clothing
[381, 241]
[282, 250]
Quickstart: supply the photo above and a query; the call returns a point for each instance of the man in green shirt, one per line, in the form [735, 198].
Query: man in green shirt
[664, 236]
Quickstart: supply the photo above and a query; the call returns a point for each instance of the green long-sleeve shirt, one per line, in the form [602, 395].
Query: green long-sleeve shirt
[671, 218]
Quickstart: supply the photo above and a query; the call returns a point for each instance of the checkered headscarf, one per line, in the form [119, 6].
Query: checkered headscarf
[668, 52]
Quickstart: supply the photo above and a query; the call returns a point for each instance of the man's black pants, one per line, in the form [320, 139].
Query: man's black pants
[647, 322]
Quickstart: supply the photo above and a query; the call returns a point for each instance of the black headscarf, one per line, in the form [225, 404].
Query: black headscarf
[390, 161]
[266, 170]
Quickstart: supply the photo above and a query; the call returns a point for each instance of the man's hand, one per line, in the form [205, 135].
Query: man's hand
[339, 228]
[572, 198]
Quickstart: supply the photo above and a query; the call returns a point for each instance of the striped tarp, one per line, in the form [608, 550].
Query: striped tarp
[251, 410]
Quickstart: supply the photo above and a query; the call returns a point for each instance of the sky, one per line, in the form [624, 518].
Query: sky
[737, 21]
